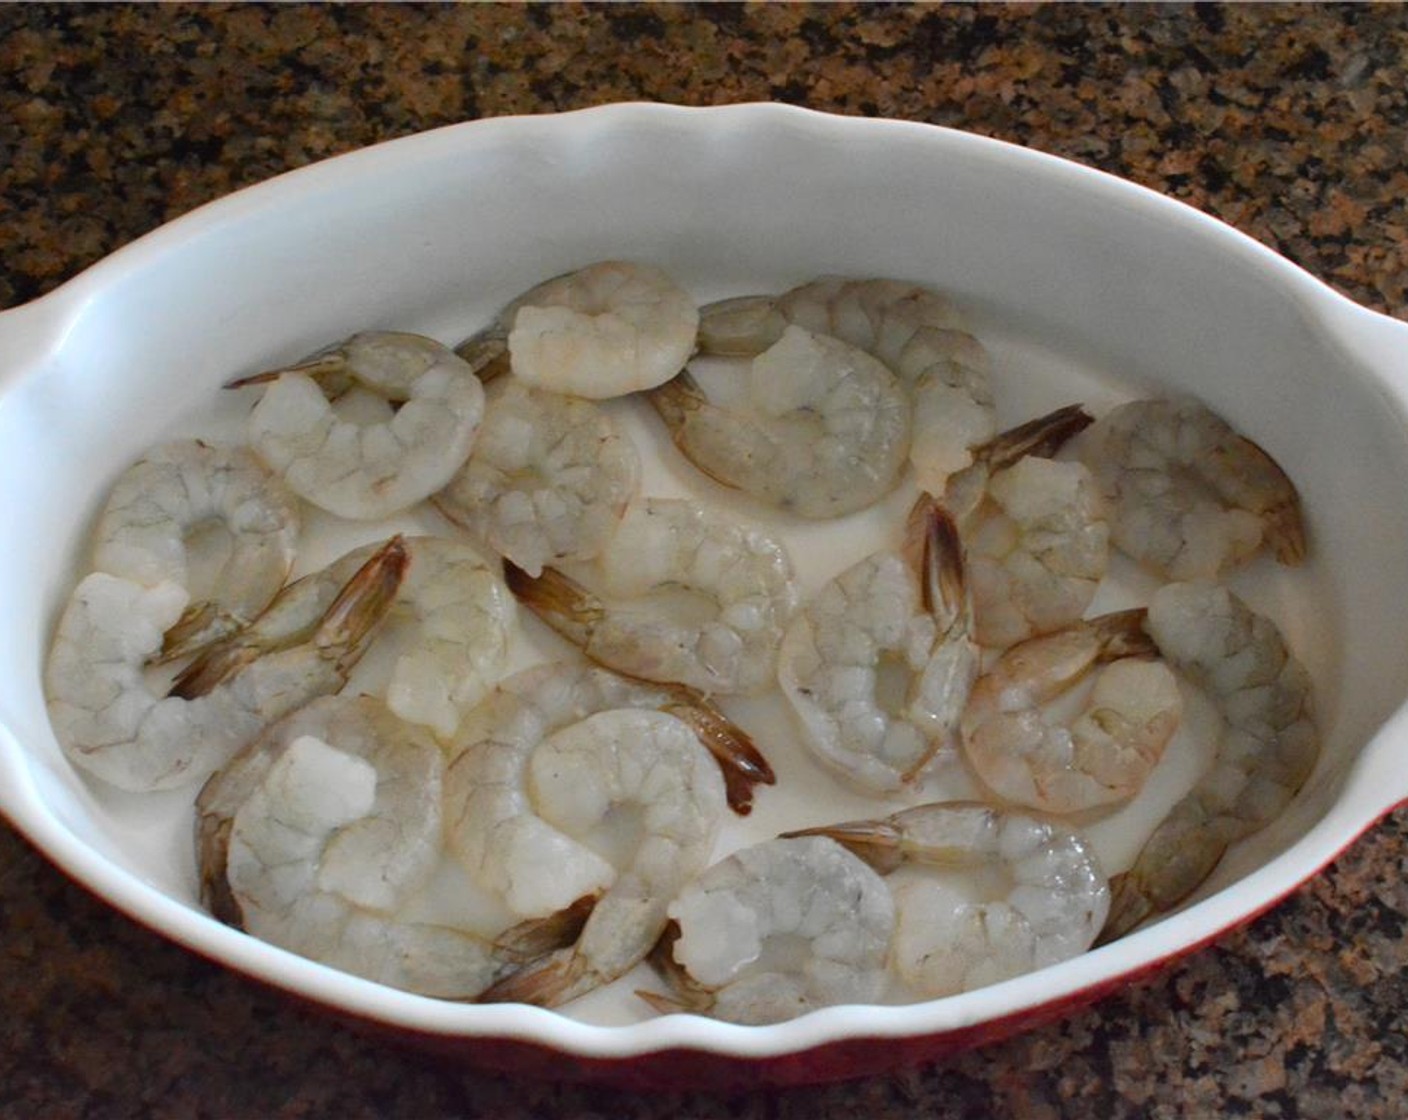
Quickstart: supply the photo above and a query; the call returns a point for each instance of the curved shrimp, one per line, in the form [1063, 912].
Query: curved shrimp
[774, 931]
[1034, 529]
[914, 330]
[611, 328]
[112, 722]
[904, 610]
[1189, 497]
[409, 409]
[451, 620]
[818, 427]
[1268, 747]
[947, 940]
[162, 504]
[666, 550]
[548, 478]
[1105, 754]
[319, 835]
[622, 806]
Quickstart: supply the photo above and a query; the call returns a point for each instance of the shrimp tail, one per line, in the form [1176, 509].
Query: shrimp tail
[330, 364]
[934, 549]
[1043, 437]
[486, 353]
[1122, 634]
[688, 995]
[534, 938]
[200, 625]
[548, 981]
[741, 763]
[557, 599]
[879, 842]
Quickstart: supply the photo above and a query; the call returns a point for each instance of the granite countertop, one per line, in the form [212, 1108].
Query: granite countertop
[1290, 123]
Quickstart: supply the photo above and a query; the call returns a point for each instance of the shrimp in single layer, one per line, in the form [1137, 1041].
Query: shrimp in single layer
[548, 479]
[1188, 496]
[914, 330]
[1268, 747]
[818, 426]
[774, 931]
[211, 519]
[1044, 901]
[897, 614]
[494, 827]
[1101, 757]
[687, 596]
[1034, 529]
[370, 426]
[112, 721]
[451, 619]
[621, 806]
[319, 836]
[611, 328]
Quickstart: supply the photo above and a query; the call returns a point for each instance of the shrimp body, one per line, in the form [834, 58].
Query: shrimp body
[174, 494]
[612, 328]
[1101, 757]
[776, 930]
[1268, 747]
[409, 411]
[319, 835]
[547, 480]
[914, 330]
[451, 619]
[1188, 496]
[671, 562]
[112, 722]
[1048, 904]
[820, 428]
[496, 830]
[903, 611]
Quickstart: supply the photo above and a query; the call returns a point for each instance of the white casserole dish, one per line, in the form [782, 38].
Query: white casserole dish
[1077, 279]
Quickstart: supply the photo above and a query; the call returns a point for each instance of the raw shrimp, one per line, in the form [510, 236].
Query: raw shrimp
[547, 480]
[1268, 746]
[319, 835]
[156, 528]
[900, 613]
[113, 723]
[1048, 906]
[1106, 753]
[409, 411]
[494, 827]
[1034, 529]
[455, 608]
[774, 931]
[670, 562]
[623, 805]
[612, 328]
[912, 329]
[1189, 497]
[819, 428]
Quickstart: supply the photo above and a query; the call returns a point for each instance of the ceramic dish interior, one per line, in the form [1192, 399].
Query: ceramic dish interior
[1083, 286]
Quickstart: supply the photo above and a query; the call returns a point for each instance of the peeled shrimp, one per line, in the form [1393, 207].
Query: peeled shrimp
[612, 328]
[1268, 746]
[547, 480]
[774, 931]
[670, 562]
[319, 835]
[949, 936]
[409, 409]
[455, 608]
[1107, 752]
[1034, 528]
[904, 612]
[621, 806]
[913, 330]
[1189, 497]
[175, 494]
[495, 829]
[820, 428]
[112, 722]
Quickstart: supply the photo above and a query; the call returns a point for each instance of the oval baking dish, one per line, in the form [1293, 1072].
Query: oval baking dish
[1068, 268]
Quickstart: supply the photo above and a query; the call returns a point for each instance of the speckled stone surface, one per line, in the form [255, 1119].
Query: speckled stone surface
[1291, 123]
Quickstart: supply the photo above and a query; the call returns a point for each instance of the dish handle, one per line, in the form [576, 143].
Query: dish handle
[1381, 341]
[27, 333]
